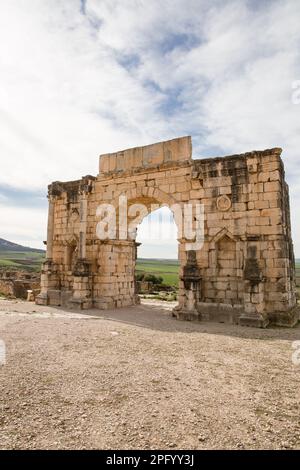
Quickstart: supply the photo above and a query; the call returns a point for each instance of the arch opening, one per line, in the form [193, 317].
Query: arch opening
[157, 262]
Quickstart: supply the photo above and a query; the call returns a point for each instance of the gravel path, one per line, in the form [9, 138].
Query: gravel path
[137, 378]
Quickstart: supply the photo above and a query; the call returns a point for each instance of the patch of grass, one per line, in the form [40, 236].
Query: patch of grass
[298, 274]
[167, 269]
[28, 260]
[7, 262]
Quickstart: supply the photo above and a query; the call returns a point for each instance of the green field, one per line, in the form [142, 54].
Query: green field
[298, 274]
[167, 269]
[28, 260]
[31, 261]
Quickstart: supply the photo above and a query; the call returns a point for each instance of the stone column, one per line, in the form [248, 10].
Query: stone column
[253, 314]
[188, 308]
[50, 229]
[82, 285]
[50, 293]
[115, 286]
[83, 227]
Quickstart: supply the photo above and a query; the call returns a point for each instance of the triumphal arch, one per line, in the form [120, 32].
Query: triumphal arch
[234, 233]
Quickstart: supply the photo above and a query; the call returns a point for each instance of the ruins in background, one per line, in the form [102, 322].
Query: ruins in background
[17, 284]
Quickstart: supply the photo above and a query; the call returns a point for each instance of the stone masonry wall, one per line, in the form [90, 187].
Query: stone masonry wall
[244, 272]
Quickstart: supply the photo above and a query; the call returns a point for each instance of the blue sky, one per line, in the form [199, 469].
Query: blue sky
[80, 78]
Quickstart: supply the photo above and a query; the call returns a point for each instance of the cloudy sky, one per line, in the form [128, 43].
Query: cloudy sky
[84, 77]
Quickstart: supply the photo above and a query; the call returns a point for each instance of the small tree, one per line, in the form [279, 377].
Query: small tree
[154, 279]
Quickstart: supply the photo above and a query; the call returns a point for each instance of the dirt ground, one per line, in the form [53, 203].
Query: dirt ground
[138, 378]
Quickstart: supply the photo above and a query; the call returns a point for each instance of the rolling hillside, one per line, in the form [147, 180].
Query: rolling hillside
[15, 256]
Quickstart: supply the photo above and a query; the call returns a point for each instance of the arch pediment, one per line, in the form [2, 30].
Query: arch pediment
[223, 233]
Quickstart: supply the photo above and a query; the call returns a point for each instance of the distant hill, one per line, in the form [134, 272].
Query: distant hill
[5, 245]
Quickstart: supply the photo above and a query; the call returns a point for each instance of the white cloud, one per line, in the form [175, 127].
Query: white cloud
[130, 72]
[23, 225]
[158, 235]
[64, 98]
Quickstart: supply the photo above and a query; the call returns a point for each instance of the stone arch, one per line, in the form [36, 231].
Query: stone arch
[148, 196]
[119, 255]
[166, 173]
[147, 192]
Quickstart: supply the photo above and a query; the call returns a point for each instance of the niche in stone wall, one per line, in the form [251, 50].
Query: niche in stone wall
[73, 221]
[226, 282]
[226, 257]
[71, 253]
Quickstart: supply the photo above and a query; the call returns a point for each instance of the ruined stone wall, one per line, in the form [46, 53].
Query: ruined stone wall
[244, 270]
[247, 259]
[17, 283]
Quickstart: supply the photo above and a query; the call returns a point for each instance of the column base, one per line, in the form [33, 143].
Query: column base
[211, 312]
[80, 304]
[42, 299]
[109, 303]
[52, 297]
[186, 315]
[220, 313]
[286, 319]
[257, 321]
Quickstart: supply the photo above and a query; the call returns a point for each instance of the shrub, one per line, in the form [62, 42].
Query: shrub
[152, 278]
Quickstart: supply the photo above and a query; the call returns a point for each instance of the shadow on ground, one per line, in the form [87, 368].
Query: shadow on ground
[156, 317]
[160, 319]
